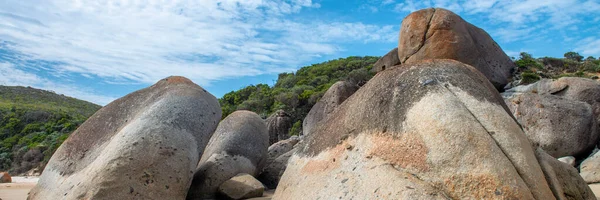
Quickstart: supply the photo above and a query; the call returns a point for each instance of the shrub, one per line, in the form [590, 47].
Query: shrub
[529, 77]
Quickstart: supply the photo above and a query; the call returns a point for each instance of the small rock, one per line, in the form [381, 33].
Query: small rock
[570, 160]
[5, 177]
[242, 186]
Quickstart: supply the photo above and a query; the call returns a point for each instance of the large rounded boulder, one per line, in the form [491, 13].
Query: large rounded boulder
[437, 33]
[335, 95]
[560, 126]
[436, 129]
[239, 145]
[145, 145]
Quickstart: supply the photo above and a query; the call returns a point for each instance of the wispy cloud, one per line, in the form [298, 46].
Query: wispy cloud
[144, 41]
[589, 46]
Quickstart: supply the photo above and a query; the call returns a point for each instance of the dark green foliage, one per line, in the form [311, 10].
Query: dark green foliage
[529, 77]
[296, 93]
[33, 124]
[527, 63]
[573, 56]
[296, 128]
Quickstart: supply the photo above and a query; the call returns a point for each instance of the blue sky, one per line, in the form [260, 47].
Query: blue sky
[101, 50]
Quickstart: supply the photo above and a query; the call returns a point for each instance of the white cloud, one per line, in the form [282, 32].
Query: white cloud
[589, 46]
[144, 41]
[13, 76]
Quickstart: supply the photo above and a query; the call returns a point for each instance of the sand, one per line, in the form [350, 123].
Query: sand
[18, 189]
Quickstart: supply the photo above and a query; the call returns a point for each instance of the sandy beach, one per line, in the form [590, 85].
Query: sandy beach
[18, 189]
[21, 185]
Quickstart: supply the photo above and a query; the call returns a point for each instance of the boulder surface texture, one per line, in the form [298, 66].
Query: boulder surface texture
[145, 145]
[437, 129]
[239, 145]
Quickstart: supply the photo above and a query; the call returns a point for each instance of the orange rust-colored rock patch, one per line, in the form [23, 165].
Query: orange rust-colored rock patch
[5, 177]
[408, 151]
[479, 187]
[333, 160]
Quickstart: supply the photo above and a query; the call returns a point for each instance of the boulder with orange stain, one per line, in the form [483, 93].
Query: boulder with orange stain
[434, 129]
[5, 177]
[437, 33]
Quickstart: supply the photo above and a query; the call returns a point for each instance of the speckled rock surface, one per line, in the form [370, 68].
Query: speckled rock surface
[564, 180]
[436, 129]
[560, 126]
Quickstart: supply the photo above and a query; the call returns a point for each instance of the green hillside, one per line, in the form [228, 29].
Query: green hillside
[33, 123]
[296, 93]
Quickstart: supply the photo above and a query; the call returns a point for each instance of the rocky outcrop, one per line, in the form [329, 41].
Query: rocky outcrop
[388, 60]
[5, 177]
[436, 33]
[563, 179]
[560, 126]
[334, 96]
[145, 145]
[278, 155]
[239, 145]
[590, 168]
[241, 186]
[431, 130]
[278, 124]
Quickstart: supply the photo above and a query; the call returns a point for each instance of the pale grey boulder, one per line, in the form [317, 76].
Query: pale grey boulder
[241, 186]
[590, 168]
[278, 156]
[335, 95]
[145, 145]
[278, 124]
[560, 126]
[239, 145]
[435, 129]
[564, 180]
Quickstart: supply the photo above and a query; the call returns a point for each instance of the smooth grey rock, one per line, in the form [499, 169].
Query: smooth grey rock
[239, 145]
[334, 96]
[560, 126]
[279, 124]
[388, 60]
[145, 145]
[242, 186]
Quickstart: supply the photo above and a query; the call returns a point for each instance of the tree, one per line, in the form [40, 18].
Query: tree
[525, 56]
[590, 58]
[573, 56]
